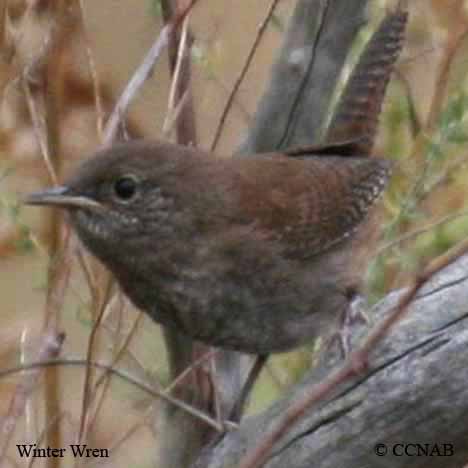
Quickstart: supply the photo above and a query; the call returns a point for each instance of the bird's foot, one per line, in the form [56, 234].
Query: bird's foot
[357, 311]
[353, 313]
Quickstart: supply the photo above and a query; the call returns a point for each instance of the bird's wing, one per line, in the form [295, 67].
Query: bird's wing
[338, 148]
[308, 205]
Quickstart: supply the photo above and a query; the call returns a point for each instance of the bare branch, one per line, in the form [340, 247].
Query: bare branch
[142, 73]
[50, 346]
[100, 115]
[261, 30]
[164, 395]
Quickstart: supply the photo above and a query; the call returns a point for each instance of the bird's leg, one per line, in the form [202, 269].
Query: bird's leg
[357, 309]
[238, 408]
[353, 313]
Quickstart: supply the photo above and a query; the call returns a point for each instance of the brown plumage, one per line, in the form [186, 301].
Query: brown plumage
[359, 109]
[259, 253]
[247, 253]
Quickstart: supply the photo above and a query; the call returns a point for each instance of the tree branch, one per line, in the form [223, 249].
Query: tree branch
[414, 392]
[293, 110]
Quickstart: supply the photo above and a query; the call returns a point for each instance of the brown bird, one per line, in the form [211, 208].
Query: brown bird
[258, 254]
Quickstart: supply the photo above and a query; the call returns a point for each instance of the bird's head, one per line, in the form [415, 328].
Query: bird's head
[119, 196]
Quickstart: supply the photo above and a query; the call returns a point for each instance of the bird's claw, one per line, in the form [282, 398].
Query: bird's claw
[353, 313]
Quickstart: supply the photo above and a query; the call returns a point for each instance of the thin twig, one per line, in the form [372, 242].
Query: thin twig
[184, 123]
[28, 75]
[140, 76]
[243, 72]
[3, 18]
[89, 356]
[58, 277]
[50, 346]
[176, 77]
[123, 375]
[94, 74]
[414, 120]
[56, 420]
[452, 166]
[104, 379]
[171, 119]
[127, 435]
[208, 355]
[89, 275]
[142, 73]
[39, 129]
[455, 40]
[38, 122]
[423, 230]
[354, 364]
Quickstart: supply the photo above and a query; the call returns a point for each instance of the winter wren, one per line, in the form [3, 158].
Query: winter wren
[257, 254]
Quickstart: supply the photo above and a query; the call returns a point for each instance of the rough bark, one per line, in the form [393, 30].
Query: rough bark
[415, 392]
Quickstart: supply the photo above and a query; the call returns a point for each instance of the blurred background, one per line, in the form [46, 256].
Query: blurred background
[423, 128]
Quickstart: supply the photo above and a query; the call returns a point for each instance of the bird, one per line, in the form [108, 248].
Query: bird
[258, 254]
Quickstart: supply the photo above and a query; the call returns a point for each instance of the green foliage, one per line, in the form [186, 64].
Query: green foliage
[83, 316]
[278, 23]
[207, 59]
[11, 210]
[24, 243]
[156, 8]
[425, 180]
[8, 171]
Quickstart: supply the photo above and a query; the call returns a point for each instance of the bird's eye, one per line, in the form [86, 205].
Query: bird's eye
[125, 188]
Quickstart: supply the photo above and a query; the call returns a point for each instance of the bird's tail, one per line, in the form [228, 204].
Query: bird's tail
[357, 113]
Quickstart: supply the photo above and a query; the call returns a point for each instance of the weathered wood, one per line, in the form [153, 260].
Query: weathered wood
[415, 392]
[295, 105]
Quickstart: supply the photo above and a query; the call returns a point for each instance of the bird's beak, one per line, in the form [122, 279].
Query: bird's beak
[61, 197]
